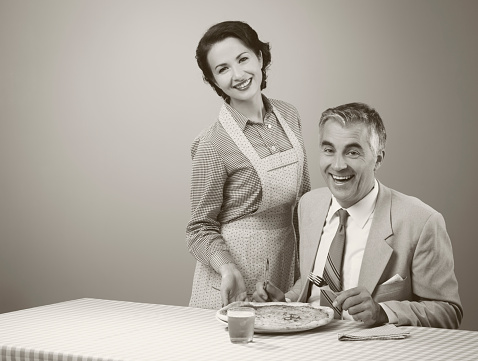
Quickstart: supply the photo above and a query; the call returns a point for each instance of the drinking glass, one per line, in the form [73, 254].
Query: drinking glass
[240, 322]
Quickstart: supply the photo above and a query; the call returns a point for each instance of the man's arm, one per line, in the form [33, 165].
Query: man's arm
[294, 293]
[436, 301]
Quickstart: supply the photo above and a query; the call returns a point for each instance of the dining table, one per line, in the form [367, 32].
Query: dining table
[90, 329]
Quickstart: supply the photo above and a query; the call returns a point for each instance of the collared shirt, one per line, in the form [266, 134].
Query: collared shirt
[225, 185]
[357, 231]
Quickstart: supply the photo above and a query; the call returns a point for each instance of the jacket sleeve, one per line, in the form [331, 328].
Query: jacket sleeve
[203, 234]
[436, 302]
[294, 293]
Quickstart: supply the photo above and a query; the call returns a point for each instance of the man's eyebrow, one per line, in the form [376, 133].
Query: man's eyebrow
[237, 57]
[348, 146]
[354, 145]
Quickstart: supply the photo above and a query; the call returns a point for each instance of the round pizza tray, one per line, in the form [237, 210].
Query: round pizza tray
[302, 321]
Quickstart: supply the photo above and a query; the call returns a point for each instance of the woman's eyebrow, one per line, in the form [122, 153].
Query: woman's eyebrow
[237, 57]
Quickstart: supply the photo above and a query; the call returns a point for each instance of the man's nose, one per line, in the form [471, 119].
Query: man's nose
[339, 163]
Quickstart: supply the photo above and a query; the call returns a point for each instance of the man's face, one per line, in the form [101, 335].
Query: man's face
[347, 161]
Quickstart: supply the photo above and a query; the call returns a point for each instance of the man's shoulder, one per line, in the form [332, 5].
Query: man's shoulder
[410, 207]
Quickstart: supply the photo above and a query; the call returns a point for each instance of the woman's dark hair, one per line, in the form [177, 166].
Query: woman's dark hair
[231, 29]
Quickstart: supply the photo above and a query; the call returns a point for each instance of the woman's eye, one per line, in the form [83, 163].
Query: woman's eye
[243, 59]
[222, 70]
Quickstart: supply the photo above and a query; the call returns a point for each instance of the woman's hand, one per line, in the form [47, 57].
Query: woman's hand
[267, 293]
[233, 287]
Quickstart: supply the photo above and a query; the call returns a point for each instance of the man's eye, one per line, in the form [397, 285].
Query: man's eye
[354, 153]
[328, 150]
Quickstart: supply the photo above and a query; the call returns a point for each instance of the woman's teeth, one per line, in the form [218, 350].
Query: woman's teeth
[243, 85]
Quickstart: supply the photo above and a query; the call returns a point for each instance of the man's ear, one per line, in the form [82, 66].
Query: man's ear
[379, 160]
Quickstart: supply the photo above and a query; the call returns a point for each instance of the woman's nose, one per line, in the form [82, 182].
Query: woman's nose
[237, 72]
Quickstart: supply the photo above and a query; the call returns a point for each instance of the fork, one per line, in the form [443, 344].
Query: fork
[318, 281]
[266, 274]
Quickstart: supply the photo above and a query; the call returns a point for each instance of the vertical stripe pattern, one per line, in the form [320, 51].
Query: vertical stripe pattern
[333, 265]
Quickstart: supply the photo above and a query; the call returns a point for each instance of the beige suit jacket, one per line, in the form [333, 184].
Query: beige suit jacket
[407, 237]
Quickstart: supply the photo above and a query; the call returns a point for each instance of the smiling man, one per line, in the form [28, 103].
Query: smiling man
[385, 257]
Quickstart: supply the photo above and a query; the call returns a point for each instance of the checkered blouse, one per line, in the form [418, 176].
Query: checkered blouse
[224, 184]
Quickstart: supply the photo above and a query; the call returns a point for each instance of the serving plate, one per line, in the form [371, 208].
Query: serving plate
[283, 317]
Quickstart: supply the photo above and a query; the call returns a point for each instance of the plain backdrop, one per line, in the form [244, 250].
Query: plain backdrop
[101, 100]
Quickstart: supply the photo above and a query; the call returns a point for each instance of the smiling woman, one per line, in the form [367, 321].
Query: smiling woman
[237, 72]
[249, 170]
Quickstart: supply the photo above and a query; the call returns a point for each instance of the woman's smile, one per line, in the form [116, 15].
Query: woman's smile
[243, 85]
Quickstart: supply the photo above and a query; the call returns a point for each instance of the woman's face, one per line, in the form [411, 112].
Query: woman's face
[236, 69]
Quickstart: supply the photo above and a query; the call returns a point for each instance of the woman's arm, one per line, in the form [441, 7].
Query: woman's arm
[203, 235]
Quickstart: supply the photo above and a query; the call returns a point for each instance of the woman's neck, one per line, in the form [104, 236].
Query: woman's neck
[253, 109]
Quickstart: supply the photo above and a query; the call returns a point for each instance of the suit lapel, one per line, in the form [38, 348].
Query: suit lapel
[315, 223]
[377, 252]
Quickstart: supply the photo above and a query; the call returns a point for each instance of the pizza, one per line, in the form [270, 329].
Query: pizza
[282, 316]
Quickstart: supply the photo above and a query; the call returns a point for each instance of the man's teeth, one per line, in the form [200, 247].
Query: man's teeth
[342, 179]
[243, 85]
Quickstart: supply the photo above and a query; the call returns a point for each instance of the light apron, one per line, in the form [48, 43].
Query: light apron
[267, 233]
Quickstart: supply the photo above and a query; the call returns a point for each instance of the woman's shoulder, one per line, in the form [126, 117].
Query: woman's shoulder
[284, 107]
[208, 133]
[208, 138]
[288, 112]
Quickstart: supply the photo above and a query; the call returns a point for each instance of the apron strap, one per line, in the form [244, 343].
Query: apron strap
[263, 165]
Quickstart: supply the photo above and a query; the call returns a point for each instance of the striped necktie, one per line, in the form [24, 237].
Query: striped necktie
[333, 266]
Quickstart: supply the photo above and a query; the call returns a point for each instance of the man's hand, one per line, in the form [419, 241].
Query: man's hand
[233, 287]
[360, 305]
[269, 293]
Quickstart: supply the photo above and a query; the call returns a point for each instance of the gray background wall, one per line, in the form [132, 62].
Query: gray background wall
[100, 101]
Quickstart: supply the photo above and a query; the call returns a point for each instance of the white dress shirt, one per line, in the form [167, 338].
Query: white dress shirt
[357, 231]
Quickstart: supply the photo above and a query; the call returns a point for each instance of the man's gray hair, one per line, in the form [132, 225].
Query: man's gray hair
[359, 113]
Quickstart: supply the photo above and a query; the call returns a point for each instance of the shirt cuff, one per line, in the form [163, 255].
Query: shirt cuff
[220, 258]
[392, 317]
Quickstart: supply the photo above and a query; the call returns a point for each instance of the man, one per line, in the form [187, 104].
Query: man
[397, 263]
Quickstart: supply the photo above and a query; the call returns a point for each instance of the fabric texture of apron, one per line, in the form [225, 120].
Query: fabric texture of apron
[267, 233]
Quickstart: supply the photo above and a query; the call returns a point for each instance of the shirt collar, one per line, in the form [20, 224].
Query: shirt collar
[242, 120]
[361, 211]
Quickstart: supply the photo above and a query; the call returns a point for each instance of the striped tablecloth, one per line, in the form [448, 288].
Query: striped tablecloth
[99, 330]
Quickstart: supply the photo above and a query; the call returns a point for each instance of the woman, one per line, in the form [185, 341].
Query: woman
[249, 170]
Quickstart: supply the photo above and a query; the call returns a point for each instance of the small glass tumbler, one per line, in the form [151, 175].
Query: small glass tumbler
[240, 322]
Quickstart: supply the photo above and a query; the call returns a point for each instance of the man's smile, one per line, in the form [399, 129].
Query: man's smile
[341, 179]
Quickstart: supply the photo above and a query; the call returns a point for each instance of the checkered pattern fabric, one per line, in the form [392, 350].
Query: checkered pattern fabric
[225, 185]
[384, 332]
[101, 330]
